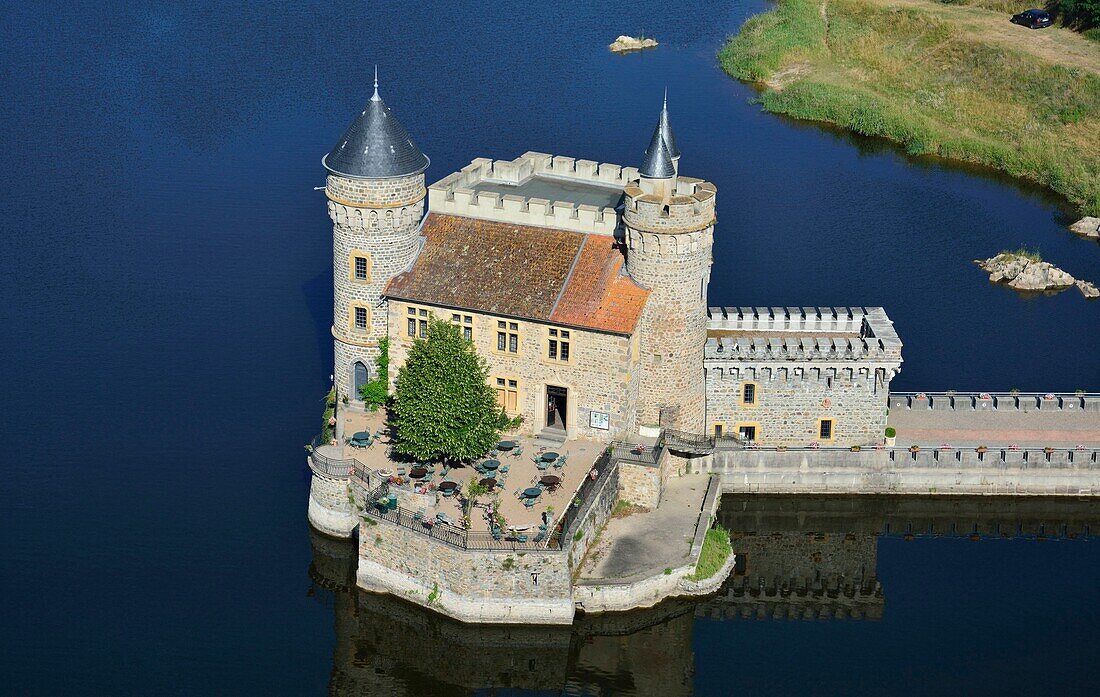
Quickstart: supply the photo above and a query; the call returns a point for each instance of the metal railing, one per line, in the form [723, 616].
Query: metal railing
[337, 468]
[700, 444]
[607, 474]
[635, 452]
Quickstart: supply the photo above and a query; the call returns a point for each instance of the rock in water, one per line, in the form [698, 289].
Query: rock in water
[629, 43]
[1041, 275]
[1087, 227]
[1025, 274]
[1087, 289]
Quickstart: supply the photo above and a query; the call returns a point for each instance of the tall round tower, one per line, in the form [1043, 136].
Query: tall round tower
[375, 192]
[669, 232]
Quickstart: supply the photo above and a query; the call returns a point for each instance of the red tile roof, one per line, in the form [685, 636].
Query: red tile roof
[538, 273]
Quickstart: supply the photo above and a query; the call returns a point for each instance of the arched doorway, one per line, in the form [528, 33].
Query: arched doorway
[359, 377]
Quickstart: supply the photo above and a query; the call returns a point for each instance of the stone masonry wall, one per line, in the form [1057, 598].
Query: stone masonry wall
[379, 220]
[788, 406]
[640, 484]
[675, 267]
[488, 586]
[601, 376]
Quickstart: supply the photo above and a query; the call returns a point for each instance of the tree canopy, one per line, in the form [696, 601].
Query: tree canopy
[443, 405]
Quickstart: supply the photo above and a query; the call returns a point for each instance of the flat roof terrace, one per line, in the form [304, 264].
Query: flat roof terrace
[554, 189]
[536, 189]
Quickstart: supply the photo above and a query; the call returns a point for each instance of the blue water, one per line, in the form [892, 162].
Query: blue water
[165, 275]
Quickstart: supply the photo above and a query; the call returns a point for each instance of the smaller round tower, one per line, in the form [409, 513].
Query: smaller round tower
[669, 233]
[376, 193]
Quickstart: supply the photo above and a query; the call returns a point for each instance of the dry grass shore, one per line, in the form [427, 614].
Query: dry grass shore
[957, 81]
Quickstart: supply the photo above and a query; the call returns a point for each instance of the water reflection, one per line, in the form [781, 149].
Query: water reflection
[799, 558]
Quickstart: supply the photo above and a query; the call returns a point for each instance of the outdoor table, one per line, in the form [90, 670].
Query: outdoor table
[549, 457]
[385, 474]
[419, 472]
[361, 435]
[532, 492]
[506, 445]
[448, 485]
[489, 482]
[550, 480]
[491, 464]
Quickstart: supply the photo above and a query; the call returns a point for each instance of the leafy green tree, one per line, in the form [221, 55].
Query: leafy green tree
[1083, 14]
[443, 406]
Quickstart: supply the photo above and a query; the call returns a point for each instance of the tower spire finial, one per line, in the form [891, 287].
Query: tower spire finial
[663, 106]
[375, 98]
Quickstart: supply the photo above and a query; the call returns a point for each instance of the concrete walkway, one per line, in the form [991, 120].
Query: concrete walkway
[967, 427]
[641, 545]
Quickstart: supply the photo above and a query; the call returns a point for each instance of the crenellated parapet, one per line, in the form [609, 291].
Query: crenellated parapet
[690, 208]
[478, 190]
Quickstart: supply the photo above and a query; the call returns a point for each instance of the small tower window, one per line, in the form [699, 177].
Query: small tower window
[748, 394]
[825, 429]
[361, 318]
[360, 268]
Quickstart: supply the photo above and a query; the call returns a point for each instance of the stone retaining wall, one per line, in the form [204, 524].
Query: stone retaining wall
[899, 471]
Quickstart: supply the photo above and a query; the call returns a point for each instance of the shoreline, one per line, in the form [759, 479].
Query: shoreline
[824, 67]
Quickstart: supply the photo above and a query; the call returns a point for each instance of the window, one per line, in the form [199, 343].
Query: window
[359, 263]
[825, 429]
[748, 394]
[361, 318]
[507, 390]
[748, 431]
[507, 337]
[416, 322]
[467, 324]
[719, 430]
[557, 345]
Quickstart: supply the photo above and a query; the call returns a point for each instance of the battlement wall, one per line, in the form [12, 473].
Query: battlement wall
[801, 334]
[456, 193]
[689, 209]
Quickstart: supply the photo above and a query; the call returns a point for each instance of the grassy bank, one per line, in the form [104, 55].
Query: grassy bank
[716, 550]
[946, 80]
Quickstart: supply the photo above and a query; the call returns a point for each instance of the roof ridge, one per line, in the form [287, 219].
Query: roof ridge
[569, 275]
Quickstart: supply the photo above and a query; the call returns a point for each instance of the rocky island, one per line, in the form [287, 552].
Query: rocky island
[1026, 272]
[626, 43]
[1087, 227]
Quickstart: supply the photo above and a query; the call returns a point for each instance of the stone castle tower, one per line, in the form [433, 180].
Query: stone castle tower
[669, 232]
[375, 191]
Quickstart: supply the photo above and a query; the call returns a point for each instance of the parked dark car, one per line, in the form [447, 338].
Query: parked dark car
[1033, 19]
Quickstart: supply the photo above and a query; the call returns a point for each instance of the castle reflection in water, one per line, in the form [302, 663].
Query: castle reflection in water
[798, 558]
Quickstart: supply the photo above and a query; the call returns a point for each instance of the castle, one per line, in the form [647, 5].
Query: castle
[584, 287]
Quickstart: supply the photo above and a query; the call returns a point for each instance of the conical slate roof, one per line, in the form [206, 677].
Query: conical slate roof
[657, 163]
[666, 130]
[375, 146]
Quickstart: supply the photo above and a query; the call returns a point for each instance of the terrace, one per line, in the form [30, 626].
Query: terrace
[530, 484]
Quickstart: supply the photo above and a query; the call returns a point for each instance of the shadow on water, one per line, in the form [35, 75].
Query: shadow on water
[800, 558]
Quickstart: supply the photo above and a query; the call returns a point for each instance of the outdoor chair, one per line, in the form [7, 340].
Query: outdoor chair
[402, 472]
[521, 537]
[504, 469]
[419, 515]
[540, 536]
[528, 503]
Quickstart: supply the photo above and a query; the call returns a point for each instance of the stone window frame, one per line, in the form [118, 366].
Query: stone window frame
[466, 322]
[513, 334]
[755, 424]
[718, 425]
[555, 334]
[352, 326]
[352, 256]
[507, 386]
[755, 394]
[421, 316]
[832, 429]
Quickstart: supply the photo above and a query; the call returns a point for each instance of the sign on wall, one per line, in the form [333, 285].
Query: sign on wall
[599, 419]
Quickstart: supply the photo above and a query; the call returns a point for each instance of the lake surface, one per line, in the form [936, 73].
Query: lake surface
[165, 275]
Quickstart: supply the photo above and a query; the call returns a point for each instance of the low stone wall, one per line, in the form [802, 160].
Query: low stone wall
[593, 519]
[640, 484]
[995, 401]
[489, 586]
[899, 471]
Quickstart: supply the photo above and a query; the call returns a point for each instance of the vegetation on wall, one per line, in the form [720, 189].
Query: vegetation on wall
[443, 406]
[375, 393]
[937, 86]
[328, 429]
